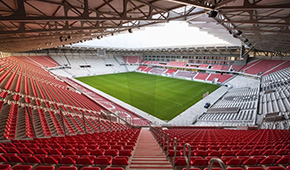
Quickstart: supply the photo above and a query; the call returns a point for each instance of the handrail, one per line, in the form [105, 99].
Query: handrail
[167, 149]
[187, 157]
[222, 164]
[163, 140]
[175, 148]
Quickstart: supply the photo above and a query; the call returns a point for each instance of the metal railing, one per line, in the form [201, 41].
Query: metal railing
[187, 157]
[221, 163]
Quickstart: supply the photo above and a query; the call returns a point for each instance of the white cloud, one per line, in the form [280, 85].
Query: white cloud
[170, 35]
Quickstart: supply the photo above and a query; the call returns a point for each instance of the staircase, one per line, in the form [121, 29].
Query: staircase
[148, 155]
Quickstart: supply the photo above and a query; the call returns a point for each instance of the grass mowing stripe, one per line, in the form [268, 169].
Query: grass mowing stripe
[159, 96]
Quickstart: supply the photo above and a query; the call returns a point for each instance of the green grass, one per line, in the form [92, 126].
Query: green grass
[159, 96]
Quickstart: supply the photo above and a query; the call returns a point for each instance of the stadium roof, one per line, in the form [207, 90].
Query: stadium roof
[37, 24]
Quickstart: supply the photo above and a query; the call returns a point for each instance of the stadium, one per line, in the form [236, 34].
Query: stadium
[66, 105]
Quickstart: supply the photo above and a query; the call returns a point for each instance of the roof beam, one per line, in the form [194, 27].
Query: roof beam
[255, 7]
[257, 22]
[191, 3]
[80, 18]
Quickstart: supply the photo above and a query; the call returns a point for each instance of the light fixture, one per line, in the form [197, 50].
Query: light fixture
[212, 14]
[239, 32]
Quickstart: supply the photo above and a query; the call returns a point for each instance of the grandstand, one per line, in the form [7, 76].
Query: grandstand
[52, 121]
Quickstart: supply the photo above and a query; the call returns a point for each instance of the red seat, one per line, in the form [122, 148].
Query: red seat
[234, 161]
[2, 150]
[57, 157]
[228, 153]
[114, 168]
[67, 160]
[22, 167]
[259, 158]
[200, 153]
[83, 152]
[5, 167]
[26, 150]
[283, 160]
[98, 152]
[282, 152]
[269, 152]
[73, 157]
[103, 160]
[121, 160]
[112, 152]
[91, 168]
[104, 147]
[2, 159]
[15, 158]
[50, 160]
[118, 147]
[69, 152]
[275, 168]
[125, 152]
[214, 153]
[199, 169]
[54, 152]
[129, 147]
[180, 161]
[267, 161]
[200, 162]
[12, 150]
[45, 168]
[40, 151]
[275, 157]
[255, 152]
[207, 168]
[235, 168]
[242, 153]
[85, 161]
[178, 153]
[255, 168]
[33, 159]
[251, 161]
[67, 168]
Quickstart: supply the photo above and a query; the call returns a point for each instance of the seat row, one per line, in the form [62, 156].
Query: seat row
[46, 167]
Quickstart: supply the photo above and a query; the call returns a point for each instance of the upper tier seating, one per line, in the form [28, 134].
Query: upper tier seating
[284, 65]
[176, 64]
[261, 66]
[170, 71]
[132, 59]
[43, 60]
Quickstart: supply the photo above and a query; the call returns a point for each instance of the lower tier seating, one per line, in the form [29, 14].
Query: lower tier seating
[243, 149]
[96, 150]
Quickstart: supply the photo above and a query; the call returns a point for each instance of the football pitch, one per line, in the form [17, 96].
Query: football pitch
[159, 96]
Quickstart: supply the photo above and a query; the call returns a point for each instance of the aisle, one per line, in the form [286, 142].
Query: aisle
[148, 154]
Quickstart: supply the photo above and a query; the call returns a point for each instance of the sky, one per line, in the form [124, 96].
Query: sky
[172, 34]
